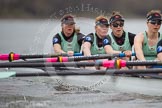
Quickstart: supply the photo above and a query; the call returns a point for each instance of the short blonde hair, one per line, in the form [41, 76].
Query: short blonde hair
[68, 19]
[115, 16]
[153, 12]
[114, 13]
[100, 17]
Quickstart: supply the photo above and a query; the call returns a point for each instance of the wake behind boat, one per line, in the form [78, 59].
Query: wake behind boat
[104, 81]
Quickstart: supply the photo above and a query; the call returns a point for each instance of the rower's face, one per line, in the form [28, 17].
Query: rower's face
[117, 28]
[68, 28]
[101, 30]
[154, 25]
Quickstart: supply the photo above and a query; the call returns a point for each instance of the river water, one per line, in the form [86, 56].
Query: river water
[35, 37]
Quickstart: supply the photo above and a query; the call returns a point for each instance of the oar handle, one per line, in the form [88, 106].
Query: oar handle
[123, 54]
[78, 54]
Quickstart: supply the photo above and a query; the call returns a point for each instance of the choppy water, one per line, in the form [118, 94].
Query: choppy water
[46, 92]
[34, 36]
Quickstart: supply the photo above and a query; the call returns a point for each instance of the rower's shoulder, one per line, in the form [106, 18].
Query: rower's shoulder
[159, 43]
[139, 35]
[89, 38]
[56, 35]
[131, 34]
[80, 34]
[90, 35]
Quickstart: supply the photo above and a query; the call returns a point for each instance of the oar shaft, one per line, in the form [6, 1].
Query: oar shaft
[105, 63]
[57, 64]
[79, 58]
[143, 63]
[12, 56]
[98, 56]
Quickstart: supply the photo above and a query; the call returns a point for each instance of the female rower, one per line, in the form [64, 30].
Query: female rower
[145, 43]
[98, 42]
[68, 40]
[120, 39]
[95, 43]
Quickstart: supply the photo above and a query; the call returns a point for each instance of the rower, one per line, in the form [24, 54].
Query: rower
[145, 43]
[98, 42]
[93, 42]
[120, 39]
[69, 40]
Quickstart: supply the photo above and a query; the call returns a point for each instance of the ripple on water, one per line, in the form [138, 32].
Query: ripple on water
[46, 93]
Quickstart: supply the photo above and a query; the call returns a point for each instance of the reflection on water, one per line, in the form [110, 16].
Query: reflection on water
[34, 36]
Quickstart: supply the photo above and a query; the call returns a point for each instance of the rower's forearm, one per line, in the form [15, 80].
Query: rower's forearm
[59, 51]
[86, 51]
[139, 55]
[116, 52]
[159, 56]
[113, 52]
[109, 50]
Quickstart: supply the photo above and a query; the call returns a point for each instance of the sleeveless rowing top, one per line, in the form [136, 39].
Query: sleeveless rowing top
[94, 47]
[70, 46]
[150, 52]
[124, 47]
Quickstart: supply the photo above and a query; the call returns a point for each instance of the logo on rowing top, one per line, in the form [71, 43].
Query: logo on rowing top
[105, 41]
[159, 49]
[55, 40]
[88, 38]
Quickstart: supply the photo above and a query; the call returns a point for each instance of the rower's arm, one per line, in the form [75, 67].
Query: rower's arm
[138, 41]
[86, 48]
[109, 50]
[159, 50]
[159, 56]
[57, 49]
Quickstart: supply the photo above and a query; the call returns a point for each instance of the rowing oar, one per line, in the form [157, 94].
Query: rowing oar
[80, 58]
[13, 56]
[105, 63]
[77, 72]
